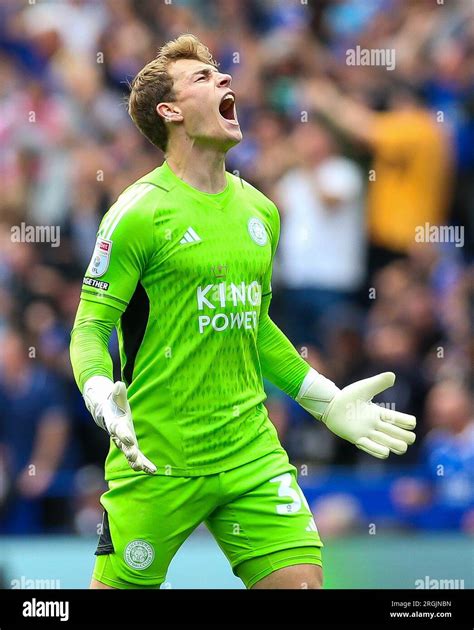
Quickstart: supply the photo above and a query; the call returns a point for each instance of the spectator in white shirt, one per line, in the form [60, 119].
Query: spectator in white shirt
[322, 247]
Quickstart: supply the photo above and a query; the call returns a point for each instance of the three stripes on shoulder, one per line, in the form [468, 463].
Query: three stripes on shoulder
[126, 201]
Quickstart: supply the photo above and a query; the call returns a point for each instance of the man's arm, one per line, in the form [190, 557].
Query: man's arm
[49, 446]
[89, 349]
[125, 244]
[350, 116]
[93, 371]
[349, 413]
[280, 362]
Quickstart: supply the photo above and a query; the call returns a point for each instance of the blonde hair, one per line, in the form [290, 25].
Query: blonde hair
[153, 85]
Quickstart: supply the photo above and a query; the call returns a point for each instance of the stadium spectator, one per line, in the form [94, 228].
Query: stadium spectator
[321, 252]
[410, 176]
[34, 428]
[445, 484]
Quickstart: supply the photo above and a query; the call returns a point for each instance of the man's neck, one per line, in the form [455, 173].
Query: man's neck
[200, 167]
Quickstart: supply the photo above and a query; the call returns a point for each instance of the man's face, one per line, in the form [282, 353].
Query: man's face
[206, 103]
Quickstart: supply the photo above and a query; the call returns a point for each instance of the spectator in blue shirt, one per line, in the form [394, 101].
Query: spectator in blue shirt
[442, 494]
[34, 430]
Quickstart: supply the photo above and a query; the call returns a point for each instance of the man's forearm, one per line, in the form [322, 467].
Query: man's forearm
[51, 441]
[281, 364]
[89, 342]
[93, 371]
[347, 114]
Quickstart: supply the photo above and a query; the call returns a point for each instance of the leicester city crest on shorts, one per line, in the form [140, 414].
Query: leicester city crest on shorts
[139, 554]
[100, 257]
[257, 231]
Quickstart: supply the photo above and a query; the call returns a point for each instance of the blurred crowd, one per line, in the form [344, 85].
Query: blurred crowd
[372, 168]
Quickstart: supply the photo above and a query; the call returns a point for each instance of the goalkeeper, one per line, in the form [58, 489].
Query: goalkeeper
[182, 268]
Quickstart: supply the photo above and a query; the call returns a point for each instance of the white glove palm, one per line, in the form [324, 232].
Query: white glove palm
[108, 404]
[350, 414]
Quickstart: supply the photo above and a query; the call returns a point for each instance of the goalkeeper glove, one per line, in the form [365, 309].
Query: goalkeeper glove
[351, 414]
[108, 404]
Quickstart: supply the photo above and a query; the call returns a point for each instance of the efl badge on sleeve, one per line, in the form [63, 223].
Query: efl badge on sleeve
[100, 258]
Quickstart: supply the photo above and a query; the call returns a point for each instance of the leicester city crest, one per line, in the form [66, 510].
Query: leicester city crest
[257, 231]
[139, 554]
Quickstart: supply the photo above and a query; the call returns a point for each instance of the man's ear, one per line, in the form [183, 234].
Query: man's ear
[169, 112]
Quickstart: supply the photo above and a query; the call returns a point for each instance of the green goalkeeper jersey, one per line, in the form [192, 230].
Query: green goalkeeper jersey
[188, 270]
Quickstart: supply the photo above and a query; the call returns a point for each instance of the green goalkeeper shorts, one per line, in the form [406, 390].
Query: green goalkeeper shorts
[256, 512]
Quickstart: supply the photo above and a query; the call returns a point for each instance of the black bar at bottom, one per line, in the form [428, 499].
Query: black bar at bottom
[237, 608]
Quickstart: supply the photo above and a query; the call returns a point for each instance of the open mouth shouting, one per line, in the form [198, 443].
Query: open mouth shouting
[227, 108]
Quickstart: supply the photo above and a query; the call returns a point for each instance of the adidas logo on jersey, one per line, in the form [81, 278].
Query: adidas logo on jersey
[190, 236]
